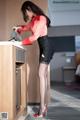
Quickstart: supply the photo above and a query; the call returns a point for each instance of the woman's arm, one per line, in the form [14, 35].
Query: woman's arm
[37, 30]
[23, 28]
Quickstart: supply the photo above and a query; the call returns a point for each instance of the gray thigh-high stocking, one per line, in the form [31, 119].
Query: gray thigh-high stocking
[43, 83]
[47, 92]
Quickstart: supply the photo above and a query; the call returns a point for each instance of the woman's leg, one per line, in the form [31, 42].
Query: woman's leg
[47, 92]
[43, 70]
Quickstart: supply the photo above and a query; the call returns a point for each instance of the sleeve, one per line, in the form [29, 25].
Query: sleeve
[24, 28]
[26, 41]
[38, 26]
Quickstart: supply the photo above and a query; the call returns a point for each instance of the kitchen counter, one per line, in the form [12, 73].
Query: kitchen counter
[15, 43]
[13, 82]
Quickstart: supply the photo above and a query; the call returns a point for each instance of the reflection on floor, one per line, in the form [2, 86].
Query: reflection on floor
[65, 104]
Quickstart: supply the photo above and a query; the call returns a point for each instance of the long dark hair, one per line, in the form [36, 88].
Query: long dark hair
[28, 5]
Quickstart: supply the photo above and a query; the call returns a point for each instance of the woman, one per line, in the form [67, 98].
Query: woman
[38, 24]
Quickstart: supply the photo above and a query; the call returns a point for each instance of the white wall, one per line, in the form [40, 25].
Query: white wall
[60, 60]
[64, 13]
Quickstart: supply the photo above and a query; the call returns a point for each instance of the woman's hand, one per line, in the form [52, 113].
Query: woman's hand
[26, 41]
[15, 28]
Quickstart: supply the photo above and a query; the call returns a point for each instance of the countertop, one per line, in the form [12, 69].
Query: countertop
[15, 43]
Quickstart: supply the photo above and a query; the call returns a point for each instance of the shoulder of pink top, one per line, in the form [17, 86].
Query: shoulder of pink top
[39, 17]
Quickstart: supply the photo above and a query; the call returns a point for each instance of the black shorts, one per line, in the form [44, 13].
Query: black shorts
[46, 49]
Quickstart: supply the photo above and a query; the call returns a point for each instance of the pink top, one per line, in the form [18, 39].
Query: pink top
[37, 26]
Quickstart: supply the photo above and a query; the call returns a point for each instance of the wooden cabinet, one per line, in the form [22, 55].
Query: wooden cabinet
[77, 58]
[13, 83]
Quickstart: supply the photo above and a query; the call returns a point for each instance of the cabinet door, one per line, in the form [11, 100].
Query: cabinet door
[18, 88]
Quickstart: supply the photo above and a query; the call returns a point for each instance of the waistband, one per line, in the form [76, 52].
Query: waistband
[44, 36]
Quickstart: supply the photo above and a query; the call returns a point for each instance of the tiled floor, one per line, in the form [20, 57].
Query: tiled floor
[65, 104]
